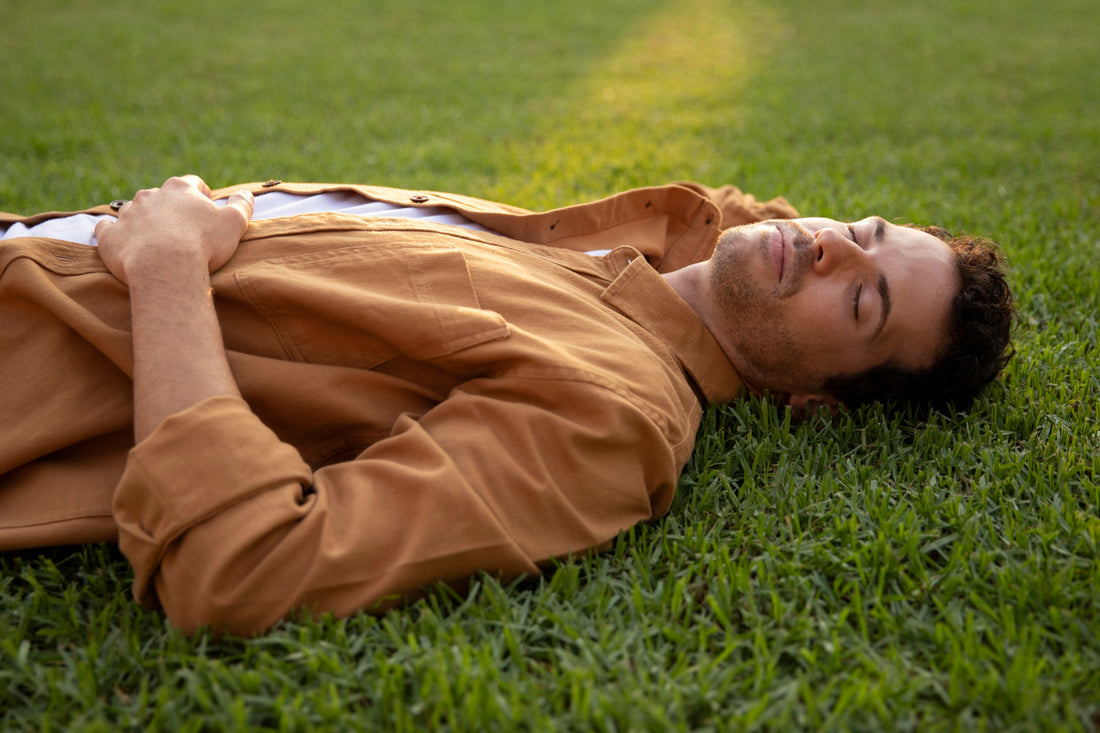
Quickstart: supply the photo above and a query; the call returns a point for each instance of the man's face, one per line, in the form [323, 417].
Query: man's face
[807, 299]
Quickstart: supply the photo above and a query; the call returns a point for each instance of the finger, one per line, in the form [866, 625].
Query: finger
[102, 227]
[139, 196]
[242, 202]
[190, 180]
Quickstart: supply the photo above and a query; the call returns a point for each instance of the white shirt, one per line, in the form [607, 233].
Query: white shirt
[80, 228]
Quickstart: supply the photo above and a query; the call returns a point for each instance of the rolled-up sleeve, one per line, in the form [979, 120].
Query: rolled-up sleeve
[226, 526]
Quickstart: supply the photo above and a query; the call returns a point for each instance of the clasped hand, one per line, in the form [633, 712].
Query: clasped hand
[178, 222]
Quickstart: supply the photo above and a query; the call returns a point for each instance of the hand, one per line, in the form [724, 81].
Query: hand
[178, 220]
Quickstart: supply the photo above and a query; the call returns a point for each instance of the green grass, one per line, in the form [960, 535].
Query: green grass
[867, 573]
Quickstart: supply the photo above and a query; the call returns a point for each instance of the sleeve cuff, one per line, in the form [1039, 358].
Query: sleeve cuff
[194, 465]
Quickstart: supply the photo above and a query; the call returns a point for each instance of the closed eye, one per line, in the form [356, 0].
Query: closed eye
[852, 231]
[855, 301]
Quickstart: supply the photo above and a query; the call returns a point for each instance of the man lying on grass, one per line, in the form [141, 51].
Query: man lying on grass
[365, 391]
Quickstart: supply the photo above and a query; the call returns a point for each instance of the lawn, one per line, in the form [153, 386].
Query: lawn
[868, 572]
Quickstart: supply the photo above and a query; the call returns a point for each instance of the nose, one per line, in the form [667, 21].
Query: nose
[832, 250]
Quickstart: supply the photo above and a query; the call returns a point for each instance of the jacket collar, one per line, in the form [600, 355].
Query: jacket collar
[642, 294]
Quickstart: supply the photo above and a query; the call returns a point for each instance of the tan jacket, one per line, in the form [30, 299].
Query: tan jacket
[420, 402]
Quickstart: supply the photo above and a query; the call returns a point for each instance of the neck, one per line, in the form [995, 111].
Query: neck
[690, 283]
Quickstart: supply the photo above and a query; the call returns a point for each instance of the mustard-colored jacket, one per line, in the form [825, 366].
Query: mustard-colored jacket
[420, 402]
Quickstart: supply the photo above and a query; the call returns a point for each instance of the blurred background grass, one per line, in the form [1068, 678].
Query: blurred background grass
[862, 574]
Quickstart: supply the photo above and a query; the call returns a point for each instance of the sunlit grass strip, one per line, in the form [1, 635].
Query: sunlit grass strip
[680, 72]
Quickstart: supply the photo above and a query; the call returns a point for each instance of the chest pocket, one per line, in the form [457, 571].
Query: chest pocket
[361, 306]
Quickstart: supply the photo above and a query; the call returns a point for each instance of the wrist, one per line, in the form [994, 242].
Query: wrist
[166, 267]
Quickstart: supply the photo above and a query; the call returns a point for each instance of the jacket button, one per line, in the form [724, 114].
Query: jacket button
[418, 198]
[270, 183]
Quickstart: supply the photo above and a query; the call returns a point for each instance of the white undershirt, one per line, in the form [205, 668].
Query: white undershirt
[80, 228]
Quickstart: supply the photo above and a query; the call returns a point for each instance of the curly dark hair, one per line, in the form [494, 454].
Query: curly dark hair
[978, 339]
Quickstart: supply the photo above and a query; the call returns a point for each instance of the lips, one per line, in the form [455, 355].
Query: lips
[779, 253]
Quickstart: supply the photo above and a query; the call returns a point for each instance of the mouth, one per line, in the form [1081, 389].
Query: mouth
[778, 246]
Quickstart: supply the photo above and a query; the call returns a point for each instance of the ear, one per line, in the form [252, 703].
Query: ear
[805, 405]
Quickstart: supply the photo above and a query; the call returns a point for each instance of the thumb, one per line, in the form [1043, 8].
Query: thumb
[243, 203]
[101, 228]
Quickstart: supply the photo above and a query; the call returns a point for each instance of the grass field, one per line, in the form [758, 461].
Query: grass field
[870, 572]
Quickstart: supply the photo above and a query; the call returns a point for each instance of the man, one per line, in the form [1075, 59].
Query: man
[333, 410]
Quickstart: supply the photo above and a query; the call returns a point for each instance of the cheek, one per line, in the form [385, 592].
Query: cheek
[818, 319]
[824, 338]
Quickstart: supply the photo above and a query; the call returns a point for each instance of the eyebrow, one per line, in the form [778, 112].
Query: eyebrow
[884, 296]
[883, 286]
[880, 229]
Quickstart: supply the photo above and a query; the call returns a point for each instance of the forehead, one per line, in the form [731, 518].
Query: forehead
[923, 280]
